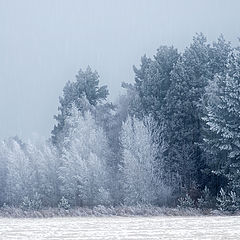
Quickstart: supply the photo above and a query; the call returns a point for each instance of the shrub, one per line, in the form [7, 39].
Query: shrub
[227, 202]
[186, 202]
[64, 204]
[206, 200]
[32, 204]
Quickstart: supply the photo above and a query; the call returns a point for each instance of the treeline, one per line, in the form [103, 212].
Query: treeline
[172, 139]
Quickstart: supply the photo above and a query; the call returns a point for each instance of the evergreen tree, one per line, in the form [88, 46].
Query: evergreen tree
[153, 80]
[223, 119]
[184, 125]
[148, 96]
[174, 133]
[214, 158]
[84, 93]
[218, 54]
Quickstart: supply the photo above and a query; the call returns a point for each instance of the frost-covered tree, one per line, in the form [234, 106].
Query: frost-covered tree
[140, 183]
[171, 87]
[30, 170]
[152, 80]
[148, 96]
[223, 118]
[184, 124]
[218, 55]
[174, 132]
[109, 118]
[83, 173]
[213, 156]
[83, 93]
[44, 165]
[19, 172]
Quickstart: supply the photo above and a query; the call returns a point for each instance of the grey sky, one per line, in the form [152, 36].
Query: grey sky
[44, 43]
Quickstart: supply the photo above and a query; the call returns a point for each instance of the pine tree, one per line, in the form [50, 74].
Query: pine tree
[84, 93]
[152, 81]
[218, 55]
[148, 97]
[184, 125]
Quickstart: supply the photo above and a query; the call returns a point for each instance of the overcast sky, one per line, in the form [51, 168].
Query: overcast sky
[43, 44]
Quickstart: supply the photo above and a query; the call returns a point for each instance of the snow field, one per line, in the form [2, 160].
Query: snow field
[121, 228]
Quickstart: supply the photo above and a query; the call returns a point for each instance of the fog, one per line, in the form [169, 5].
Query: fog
[44, 43]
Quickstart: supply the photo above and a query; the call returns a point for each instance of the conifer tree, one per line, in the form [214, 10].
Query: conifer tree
[84, 93]
[223, 118]
[189, 78]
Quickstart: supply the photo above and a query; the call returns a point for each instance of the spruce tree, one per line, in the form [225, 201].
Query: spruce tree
[223, 119]
[214, 158]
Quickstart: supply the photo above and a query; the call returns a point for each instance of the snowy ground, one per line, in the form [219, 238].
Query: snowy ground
[121, 228]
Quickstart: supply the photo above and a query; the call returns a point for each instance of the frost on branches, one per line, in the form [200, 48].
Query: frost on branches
[223, 118]
[141, 185]
[83, 170]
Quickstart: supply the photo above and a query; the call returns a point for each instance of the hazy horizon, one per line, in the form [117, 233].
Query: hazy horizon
[44, 43]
